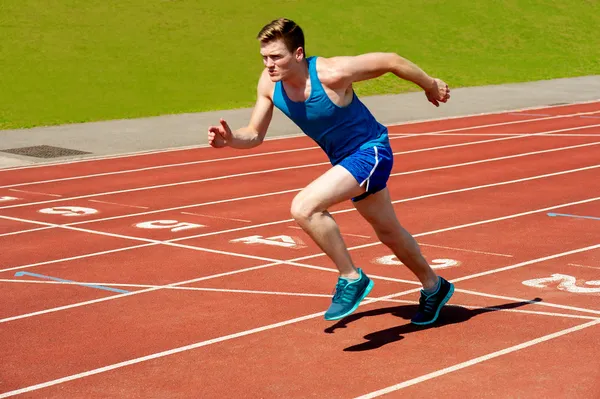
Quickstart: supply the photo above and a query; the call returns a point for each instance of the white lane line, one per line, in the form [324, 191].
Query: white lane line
[90, 255]
[216, 217]
[116, 203]
[473, 188]
[477, 360]
[515, 134]
[541, 303]
[590, 267]
[12, 233]
[465, 250]
[182, 183]
[493, 271]
[144, 188]
[297, 294]
[34, 192]
[120, 172]
[298, 189]
[527, 114]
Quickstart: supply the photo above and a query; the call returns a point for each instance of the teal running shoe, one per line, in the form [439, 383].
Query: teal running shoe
[348, 295]
[430, 305]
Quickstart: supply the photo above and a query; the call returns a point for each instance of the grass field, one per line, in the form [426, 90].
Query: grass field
[64, 61]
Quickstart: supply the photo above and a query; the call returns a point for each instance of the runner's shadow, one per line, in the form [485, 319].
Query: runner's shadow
[450, 314]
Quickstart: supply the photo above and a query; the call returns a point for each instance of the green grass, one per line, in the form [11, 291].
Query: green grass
[64, 61]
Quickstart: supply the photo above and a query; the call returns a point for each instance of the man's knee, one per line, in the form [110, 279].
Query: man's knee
[301, 208]
[389, 233]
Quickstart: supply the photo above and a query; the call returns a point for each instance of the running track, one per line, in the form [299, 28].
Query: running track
[179, 274]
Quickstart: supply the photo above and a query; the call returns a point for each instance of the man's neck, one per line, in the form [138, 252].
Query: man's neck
[300, 76]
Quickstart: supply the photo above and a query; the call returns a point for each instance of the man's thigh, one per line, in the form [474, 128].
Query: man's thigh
[334, 186]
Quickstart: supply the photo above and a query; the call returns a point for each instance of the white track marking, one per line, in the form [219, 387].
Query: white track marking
[298, 189]
[541, 303]
[477, 360]
[516, 134]
[120, 172]
[90, 255]
[144, 188]
[182, 183]
[392, 175]
[26, 231]
[156, 288]
[280, 293]
[116, 203]
[493, 271]
[340, 211]
[520, 136]
[527, 114]
[34, 192]
[216, 217]
[465, 250]
[589, 267]
[408, 200]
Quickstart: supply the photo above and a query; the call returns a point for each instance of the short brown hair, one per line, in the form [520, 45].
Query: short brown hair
[284, 29]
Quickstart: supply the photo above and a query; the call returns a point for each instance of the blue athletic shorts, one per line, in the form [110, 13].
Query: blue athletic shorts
[371, 167]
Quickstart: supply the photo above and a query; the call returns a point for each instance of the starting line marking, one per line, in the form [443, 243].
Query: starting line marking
[299, 294]
[552, 214]
[100, 287]
[465, 250]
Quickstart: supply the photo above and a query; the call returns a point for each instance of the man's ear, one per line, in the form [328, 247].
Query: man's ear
[299, 54]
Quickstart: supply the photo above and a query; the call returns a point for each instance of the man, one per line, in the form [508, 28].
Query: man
[317, 94]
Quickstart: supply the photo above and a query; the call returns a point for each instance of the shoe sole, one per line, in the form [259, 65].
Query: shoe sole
[437, 313]
[367, 290]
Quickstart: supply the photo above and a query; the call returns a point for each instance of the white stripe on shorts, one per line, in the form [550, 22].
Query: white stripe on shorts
[372, 170]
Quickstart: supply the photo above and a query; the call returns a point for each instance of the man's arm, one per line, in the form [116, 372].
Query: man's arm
[341, 72]
[253, 134]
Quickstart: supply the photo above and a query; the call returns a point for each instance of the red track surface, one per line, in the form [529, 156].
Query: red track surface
[211, 313]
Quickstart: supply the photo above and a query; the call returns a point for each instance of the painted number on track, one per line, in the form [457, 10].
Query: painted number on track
[435, 263]
[565, 283]
[6, 199]
[280, 241]
[173, 225]
[68, 211]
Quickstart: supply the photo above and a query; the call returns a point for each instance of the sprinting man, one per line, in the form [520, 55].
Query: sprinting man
[316, 93]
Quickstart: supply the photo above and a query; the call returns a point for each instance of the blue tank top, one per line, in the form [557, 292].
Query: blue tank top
[339, 131]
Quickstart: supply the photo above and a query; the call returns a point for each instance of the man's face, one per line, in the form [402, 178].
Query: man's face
[278, 60]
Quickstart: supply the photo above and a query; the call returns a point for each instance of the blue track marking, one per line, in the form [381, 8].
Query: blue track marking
[100, 287]
[572, 216]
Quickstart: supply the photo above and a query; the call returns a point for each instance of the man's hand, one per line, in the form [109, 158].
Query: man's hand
[219, 136]
[438, 92]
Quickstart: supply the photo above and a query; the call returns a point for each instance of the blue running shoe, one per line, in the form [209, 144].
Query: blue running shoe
[348, 295]
[430, 305]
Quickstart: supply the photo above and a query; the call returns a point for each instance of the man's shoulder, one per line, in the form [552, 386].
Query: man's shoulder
[330, 70]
